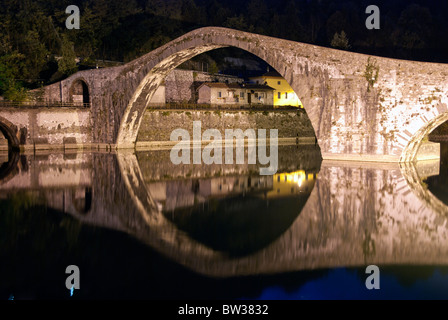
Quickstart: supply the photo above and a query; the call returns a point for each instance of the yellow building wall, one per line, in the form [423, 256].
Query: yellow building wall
[287, 96]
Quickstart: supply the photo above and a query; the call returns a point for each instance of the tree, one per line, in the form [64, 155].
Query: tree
[258, 15]
[35, 53]
[236, 22]
[12, 64]
[213, 69]
[10, 87]
[67, 62]
[340, 41]
[414, 28]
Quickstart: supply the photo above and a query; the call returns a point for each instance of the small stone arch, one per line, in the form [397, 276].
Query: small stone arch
[410, 151]
[79, 93]
[9, 130]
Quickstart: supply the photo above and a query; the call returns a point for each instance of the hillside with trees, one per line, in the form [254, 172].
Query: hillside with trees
[37, 49]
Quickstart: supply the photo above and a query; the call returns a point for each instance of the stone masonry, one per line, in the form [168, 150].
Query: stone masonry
[355, 114]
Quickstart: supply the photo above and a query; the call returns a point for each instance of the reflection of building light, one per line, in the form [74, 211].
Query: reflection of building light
[296, 177]
[292, 182]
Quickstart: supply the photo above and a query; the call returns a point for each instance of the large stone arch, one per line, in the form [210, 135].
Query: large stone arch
[9, 130]
[354, 118]
[149, 71]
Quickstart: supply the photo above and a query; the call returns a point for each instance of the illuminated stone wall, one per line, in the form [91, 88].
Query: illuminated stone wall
[355, 115]
[157, 125]
[50, 127]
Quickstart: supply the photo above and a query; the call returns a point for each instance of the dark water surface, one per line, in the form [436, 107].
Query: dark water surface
[139, 227]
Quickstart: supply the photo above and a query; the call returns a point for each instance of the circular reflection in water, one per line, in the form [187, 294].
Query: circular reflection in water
[242, 215]
[9, 168]
[438, 184]
[231, 208]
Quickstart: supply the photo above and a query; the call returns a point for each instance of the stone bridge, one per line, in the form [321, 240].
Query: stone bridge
[355, 115]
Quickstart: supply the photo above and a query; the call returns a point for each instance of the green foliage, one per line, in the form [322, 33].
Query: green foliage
[15, 92]
[236, 22]
[340, 41]
[34, 30]
[67, 62]
[371, 72]
[213, 69]
[35, 53]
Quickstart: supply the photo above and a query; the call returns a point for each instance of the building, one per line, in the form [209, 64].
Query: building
[180, 86]
[235, 94]
[159, 97]
[284, 95]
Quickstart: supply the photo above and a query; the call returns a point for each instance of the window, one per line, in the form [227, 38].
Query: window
[286, 95]
[242, 95]
[262, 95]
[219, 94]
[256, 94]
[279, 82]
[278, 95]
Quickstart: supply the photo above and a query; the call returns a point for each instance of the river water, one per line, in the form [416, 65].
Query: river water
[139, 227]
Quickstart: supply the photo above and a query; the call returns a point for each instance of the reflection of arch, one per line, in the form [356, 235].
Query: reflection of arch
[79, 93]
[9, 130]
[329, 231]
[82, 199]
[414, 179]
[320, 237]
[9, 169]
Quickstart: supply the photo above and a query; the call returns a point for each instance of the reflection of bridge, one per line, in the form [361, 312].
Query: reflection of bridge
[357, 214]
[354, 117]
[174, 194]
[63, 180]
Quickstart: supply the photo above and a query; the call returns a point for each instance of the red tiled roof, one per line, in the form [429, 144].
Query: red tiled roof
[236, 86]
